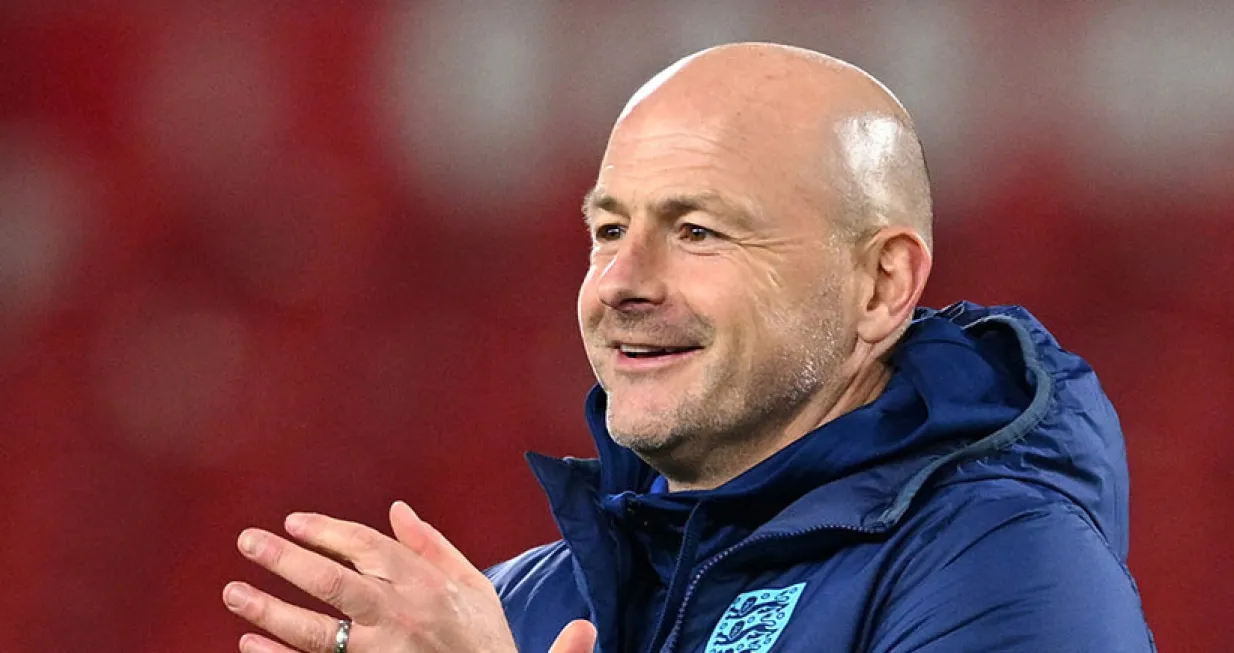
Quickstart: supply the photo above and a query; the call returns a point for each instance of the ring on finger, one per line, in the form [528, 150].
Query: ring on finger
[342, 636]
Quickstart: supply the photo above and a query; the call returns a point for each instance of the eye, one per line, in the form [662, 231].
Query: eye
[695, 233]
[608, 232]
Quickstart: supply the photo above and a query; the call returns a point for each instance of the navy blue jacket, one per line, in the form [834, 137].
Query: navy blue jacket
[979, 504]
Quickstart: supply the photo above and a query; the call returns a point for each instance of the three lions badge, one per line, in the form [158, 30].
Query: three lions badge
[754, 620]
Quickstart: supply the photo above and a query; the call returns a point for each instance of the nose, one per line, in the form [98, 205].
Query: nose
[634, 276]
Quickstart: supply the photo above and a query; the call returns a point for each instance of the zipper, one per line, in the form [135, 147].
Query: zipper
[676, 591]
[671, 641]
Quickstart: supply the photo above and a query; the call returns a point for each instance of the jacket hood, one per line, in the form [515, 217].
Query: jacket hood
[975, 393]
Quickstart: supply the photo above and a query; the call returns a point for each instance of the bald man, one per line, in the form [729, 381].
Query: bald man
[792, 455]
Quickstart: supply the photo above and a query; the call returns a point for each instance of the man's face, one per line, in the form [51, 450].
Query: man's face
[712, 307]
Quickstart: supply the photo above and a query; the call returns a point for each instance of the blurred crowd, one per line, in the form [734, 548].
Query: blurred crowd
[264, 257]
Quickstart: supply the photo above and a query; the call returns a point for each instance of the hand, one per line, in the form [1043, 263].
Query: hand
[417, 593]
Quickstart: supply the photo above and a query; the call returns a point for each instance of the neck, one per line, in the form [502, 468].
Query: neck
[724, 464]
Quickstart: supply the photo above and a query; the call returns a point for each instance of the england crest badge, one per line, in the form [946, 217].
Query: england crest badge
[753, 621]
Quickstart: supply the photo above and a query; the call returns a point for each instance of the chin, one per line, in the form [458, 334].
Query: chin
[642, 435]
[648, 446]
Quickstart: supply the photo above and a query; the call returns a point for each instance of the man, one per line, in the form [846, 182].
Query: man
[792, 456]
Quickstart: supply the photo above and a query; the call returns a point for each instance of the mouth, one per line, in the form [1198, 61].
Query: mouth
[648, 356]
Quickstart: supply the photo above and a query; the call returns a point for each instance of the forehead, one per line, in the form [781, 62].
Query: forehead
[657, 156]
[652, 159]
[674, 140]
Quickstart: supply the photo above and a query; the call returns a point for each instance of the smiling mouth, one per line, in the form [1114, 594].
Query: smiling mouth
[653, 351]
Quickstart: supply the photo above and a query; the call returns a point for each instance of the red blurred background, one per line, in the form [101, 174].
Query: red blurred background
[264, 257]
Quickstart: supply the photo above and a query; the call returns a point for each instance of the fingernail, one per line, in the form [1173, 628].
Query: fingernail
[250, 643]
[402, 505]
[248, 543]
[236, 596]
[294, 523]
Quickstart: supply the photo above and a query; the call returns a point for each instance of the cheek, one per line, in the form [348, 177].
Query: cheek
[778, 308]
[767, 296]
[588, 304]
[727, 298]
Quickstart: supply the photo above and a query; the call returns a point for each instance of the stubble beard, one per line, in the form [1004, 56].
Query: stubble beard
[710, 420]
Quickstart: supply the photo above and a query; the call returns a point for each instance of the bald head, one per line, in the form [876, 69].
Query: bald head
[845, 144]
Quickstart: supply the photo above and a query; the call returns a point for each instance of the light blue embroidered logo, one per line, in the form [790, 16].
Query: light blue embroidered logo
[754, 620]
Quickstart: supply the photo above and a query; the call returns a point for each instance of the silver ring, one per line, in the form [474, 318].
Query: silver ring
[342, 636]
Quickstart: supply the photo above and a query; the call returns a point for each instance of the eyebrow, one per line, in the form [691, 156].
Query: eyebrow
[672, 206]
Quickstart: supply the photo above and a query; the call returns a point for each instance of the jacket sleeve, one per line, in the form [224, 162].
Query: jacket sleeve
[1039, 580]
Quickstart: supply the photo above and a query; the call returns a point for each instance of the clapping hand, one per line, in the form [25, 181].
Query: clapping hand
[411, 593]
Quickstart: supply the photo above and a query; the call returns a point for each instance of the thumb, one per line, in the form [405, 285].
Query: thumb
[579, 636]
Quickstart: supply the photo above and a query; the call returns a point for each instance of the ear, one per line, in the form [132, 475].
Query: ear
[897, 263]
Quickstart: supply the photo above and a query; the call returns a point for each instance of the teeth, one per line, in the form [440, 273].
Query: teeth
[640, 349]
[651, 350]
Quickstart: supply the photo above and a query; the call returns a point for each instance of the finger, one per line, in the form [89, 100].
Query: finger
[253, 643]
[372, 552]
[579, 636]
[303, 629]
[420, 536]
[353, 594]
